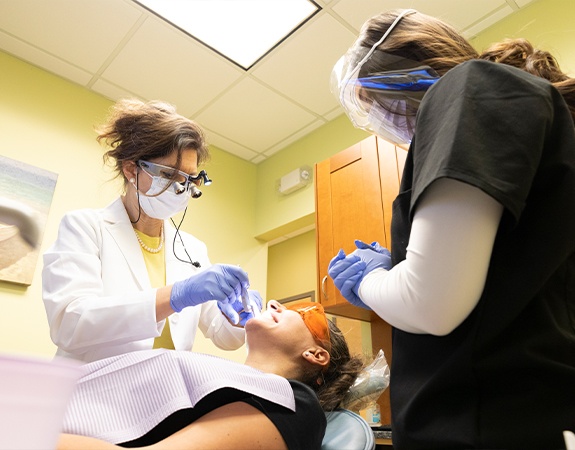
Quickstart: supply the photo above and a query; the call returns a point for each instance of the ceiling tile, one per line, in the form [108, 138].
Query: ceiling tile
[43, 60]
[229, 146]
[294, 137]
[336, 112]
[81, 32]
[314, 50]
[522, 3]
[160, 62]
[460, 13]
[271, 117]
[110, 90]
[487, 22]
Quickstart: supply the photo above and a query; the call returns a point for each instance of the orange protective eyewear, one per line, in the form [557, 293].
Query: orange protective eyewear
[313, 316]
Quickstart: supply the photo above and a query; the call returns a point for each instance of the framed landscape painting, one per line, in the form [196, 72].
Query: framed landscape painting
[29, 188]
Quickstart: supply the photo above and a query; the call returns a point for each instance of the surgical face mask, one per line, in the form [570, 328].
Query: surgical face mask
[164, 205]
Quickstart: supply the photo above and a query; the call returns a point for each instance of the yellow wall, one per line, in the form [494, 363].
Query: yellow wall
[276, 214]
[548, 24]
[291, 267]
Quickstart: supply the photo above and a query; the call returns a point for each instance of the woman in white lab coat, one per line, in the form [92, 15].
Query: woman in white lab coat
[123, 278]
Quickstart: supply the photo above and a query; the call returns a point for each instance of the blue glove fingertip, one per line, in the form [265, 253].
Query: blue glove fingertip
[228, 310]
[360, 244]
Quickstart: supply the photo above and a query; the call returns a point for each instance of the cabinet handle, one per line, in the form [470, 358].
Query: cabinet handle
[323, 291]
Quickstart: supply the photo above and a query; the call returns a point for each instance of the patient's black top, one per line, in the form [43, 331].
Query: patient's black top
[301, 430]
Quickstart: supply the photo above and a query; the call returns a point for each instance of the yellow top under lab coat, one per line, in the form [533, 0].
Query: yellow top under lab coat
[98, 296]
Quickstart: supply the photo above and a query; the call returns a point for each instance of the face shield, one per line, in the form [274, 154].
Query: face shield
[383, 100]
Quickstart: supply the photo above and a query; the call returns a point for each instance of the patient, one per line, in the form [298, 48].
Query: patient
[298, 366]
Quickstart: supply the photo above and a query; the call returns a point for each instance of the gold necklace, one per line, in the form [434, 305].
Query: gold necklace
[150, 249]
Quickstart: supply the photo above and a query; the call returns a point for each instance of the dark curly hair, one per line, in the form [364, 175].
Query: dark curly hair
[339, 375]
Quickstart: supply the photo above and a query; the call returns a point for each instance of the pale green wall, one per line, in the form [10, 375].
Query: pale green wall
[48, 122]
[548, 24]
[292, 267]
[278, 214]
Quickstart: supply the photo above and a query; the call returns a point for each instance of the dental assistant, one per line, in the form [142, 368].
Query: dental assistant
[480, 284]
[125, 278]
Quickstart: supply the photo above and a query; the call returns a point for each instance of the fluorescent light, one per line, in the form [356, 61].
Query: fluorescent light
[241, 30]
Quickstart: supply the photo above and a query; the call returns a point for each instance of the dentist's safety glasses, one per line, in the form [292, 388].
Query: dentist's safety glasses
[381, 92]
[313, 316]
[177, 180]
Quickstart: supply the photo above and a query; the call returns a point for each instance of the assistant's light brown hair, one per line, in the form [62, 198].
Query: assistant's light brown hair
[423, 38]
[520, 53]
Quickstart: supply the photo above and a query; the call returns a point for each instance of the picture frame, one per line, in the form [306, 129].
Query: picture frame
[32, 188]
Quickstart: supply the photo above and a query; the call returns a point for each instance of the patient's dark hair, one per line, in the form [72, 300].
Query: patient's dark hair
[340, 374]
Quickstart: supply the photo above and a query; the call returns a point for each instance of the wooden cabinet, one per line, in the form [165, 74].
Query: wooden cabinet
[355, 190]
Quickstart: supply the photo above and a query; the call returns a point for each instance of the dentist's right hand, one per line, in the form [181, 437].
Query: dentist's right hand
[218, 282]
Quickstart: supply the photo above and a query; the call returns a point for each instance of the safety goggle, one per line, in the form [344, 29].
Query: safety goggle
[313, 316]
[181, 181]
[414, 80]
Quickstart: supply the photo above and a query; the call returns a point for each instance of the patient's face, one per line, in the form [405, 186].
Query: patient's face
[281, 328]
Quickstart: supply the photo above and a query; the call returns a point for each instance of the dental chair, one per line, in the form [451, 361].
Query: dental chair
[347, 430]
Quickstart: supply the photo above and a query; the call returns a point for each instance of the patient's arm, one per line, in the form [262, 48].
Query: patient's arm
[236, 426]
[74, 442]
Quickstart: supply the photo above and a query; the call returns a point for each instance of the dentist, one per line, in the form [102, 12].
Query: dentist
[125, 278]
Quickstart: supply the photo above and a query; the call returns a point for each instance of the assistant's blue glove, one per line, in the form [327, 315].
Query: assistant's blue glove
[347, 273]
[219, 282]
[374, 255]
[234, 310]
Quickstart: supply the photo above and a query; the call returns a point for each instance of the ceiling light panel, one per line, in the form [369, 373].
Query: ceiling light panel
[242, 31]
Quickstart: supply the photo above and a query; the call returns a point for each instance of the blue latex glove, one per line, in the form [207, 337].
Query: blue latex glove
[374, 255]
[219, 282]
[347, 272]
[234, 310]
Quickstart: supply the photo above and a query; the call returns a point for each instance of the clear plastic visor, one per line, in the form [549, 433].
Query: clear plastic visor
[398, 89]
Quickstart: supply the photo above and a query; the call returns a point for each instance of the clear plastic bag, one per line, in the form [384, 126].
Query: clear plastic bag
[369, 385]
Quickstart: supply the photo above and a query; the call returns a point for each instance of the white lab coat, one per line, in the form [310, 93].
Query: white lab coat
[97, 292]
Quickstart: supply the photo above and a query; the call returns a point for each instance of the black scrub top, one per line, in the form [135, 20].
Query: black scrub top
[505, 378]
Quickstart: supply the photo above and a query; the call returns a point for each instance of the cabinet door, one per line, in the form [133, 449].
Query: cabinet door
[348, 206]
[355, 190]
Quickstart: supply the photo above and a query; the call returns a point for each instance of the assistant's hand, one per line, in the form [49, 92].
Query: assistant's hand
[374, 255]
[347, 272]
[234, 310]
[219, 282]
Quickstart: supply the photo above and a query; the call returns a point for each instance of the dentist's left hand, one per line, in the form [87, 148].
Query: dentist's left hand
[219, 282]
[234, 310]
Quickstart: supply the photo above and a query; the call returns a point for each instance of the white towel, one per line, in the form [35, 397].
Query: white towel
[121, 398]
